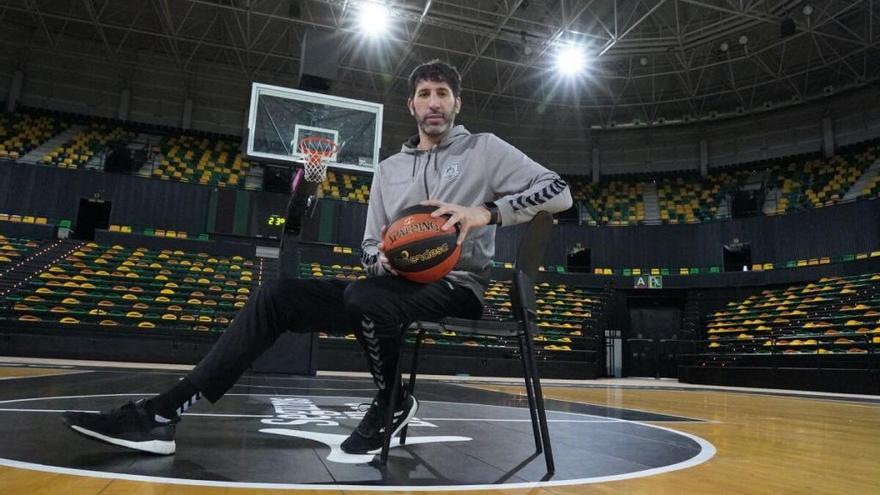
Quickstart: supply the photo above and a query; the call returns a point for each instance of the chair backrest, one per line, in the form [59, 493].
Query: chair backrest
[529, 257]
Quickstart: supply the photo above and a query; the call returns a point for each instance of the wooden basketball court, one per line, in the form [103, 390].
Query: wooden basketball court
[764, 441]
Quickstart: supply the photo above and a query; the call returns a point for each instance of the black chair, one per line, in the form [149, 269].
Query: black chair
[523, 327]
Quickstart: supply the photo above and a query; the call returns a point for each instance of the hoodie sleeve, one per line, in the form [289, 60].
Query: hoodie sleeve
[524, 187]
[376, 218]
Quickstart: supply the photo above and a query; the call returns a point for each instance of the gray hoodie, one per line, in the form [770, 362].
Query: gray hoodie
[469, 170]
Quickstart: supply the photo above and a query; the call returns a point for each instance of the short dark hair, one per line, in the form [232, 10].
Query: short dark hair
[437, 71]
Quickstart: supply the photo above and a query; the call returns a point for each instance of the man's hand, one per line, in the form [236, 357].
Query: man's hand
[467, 217]
[382, 258]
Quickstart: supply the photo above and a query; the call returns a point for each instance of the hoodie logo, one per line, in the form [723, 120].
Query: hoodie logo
[452, 171]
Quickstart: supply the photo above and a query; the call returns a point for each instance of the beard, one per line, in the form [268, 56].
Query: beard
[436, 128]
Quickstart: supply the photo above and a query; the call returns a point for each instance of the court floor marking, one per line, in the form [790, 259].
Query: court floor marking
[602, 419]
[607, 419]
[707, 451]
[287, 387]
[57, 373]
[696, 420]
[221, 415]
[150, 394]
[868, 402]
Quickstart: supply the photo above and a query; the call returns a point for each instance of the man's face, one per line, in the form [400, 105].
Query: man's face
[434, 107]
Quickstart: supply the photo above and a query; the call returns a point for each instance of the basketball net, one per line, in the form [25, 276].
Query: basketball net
[317, 151]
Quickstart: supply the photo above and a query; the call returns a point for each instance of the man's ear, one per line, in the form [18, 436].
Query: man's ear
[457, 104]
[409, 106]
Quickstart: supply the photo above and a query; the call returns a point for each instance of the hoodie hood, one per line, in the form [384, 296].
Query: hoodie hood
[411, 145]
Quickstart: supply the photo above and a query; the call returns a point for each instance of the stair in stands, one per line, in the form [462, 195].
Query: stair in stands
[36, 262]
[652, 203]
[771, 201]
[254, 178]
[36, 155]
[723, 208]
[586, 217]
[268, 268]
[149, 145]
[96, 162]
[856, 190]
[692, 318]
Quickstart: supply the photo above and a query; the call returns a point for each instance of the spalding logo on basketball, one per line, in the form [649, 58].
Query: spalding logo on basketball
[417, 248]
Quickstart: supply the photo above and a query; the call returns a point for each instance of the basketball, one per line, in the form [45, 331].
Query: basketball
[417, 248]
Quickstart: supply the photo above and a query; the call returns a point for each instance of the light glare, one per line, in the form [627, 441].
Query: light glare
[571, 60]
[374, 18]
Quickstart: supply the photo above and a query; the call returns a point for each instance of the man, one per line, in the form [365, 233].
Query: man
[477, 179]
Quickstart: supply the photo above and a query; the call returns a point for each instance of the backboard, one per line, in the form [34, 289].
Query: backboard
[279, 118]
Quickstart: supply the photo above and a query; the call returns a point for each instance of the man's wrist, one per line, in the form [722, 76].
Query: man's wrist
[494, 214]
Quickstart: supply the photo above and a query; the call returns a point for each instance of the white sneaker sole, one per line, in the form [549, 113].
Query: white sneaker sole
[163, 447]
[409, 416]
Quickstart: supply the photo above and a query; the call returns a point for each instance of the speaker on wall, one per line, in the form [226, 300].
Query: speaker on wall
[580, 260]
[737, 256]
[119, 159]
[277, 179]
[319, 60]
[746, 203]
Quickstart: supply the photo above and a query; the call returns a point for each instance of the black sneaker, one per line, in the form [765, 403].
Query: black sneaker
[367, 438]
[128, 426]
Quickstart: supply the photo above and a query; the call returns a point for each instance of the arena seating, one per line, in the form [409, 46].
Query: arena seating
[803, 182]
[76, 152]
[839, 315]
[11, 217]
[116, 286]
[12, 250]
[691, 200]
[203, 160]
[818, 183]
[757, 267]
[346, 187]
[564, 313]
[799, 182]
[22, 132]
[615, 202]
[157, 232]
[872, 188]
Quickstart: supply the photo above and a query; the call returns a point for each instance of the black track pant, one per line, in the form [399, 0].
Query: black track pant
[377, 309]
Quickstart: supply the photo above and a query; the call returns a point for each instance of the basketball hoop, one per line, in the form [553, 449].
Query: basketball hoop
[317, 151]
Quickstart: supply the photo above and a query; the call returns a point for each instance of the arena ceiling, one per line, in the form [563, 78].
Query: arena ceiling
[650, 62]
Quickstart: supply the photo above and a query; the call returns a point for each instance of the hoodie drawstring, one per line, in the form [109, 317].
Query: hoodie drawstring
[432, 151]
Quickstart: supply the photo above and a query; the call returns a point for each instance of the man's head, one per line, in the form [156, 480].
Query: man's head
[434, 99]
[436, 71]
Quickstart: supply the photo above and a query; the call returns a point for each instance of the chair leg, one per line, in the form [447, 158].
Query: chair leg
[530, 393]
[539, 400]
[411, 386]
[389, 415]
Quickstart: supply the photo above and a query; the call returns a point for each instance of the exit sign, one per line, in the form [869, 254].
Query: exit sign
[648, 282]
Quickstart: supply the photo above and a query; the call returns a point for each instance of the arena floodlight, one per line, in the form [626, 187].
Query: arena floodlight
[374, 18]
[571, 60]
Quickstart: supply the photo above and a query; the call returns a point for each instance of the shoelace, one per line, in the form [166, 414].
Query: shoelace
[370, 410]
[366, 407]
[126, 415]
[371, 416]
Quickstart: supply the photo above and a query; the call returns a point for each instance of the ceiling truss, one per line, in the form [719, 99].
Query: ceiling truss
[651, 62]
